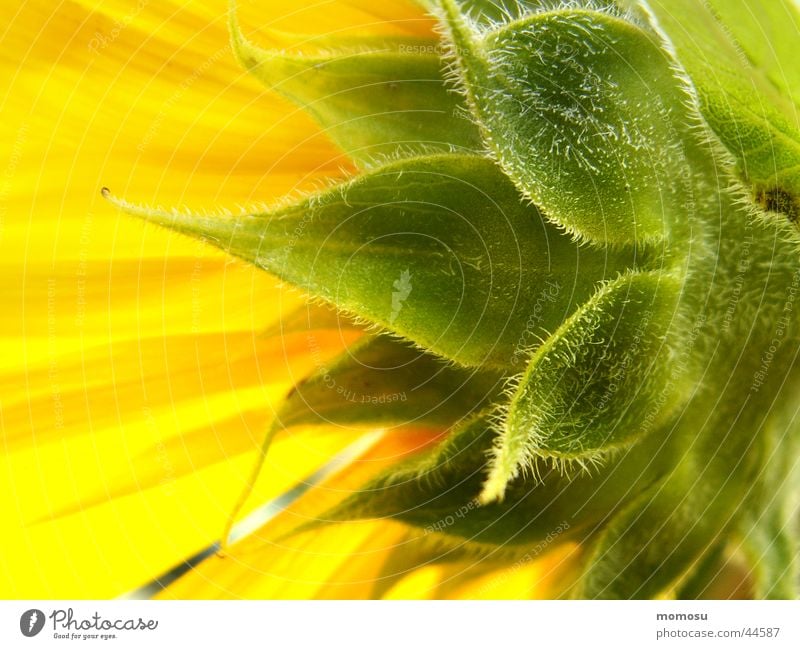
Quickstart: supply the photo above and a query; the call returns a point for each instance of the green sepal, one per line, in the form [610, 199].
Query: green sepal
[438, 491]
[585, 112]
[381, 381]
[439, 249]
[747, 86]
[375, 97]
[598, 384]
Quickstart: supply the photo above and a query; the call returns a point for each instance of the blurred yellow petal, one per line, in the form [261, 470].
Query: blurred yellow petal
[327, 561]
[337, 562]
[531, 576]
[421, 583]
[141, 534]
[86, 394]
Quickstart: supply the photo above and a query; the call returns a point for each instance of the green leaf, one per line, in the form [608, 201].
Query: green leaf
[583, 110]
[748, 90]
[598, 384]
[385, 382]
[439, 249]
[374, 97]
[438, 492]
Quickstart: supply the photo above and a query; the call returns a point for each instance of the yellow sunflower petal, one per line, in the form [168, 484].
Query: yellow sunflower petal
[88, 392]
[338, 562]
[274, 561]
[423, 583]
[137, 536]
[545, 575]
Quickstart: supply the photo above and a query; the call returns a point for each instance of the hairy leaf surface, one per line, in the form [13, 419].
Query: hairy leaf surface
[374, 97]
[439, 249]
[584, 111]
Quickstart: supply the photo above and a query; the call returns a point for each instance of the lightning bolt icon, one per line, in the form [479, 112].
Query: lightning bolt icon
[32, 620]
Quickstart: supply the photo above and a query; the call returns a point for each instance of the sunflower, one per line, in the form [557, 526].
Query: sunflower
[459, 378]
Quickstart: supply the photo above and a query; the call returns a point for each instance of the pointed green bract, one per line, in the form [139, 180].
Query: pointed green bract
[438, 491]
[374, 97]
[721, 454]
[584, 111]
[622, 565]
[440, 250]
[600, 382]
[747, 89]
[385, 382]
[413, 491]
[650, 546]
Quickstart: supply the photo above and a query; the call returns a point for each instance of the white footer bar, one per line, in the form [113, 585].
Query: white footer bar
[400, 625]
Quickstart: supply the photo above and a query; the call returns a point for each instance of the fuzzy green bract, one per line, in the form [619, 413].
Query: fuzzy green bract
[592, 386]
[573, 234]
[439, 249]
[385, 382]
[583, 111]
[374, 97]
